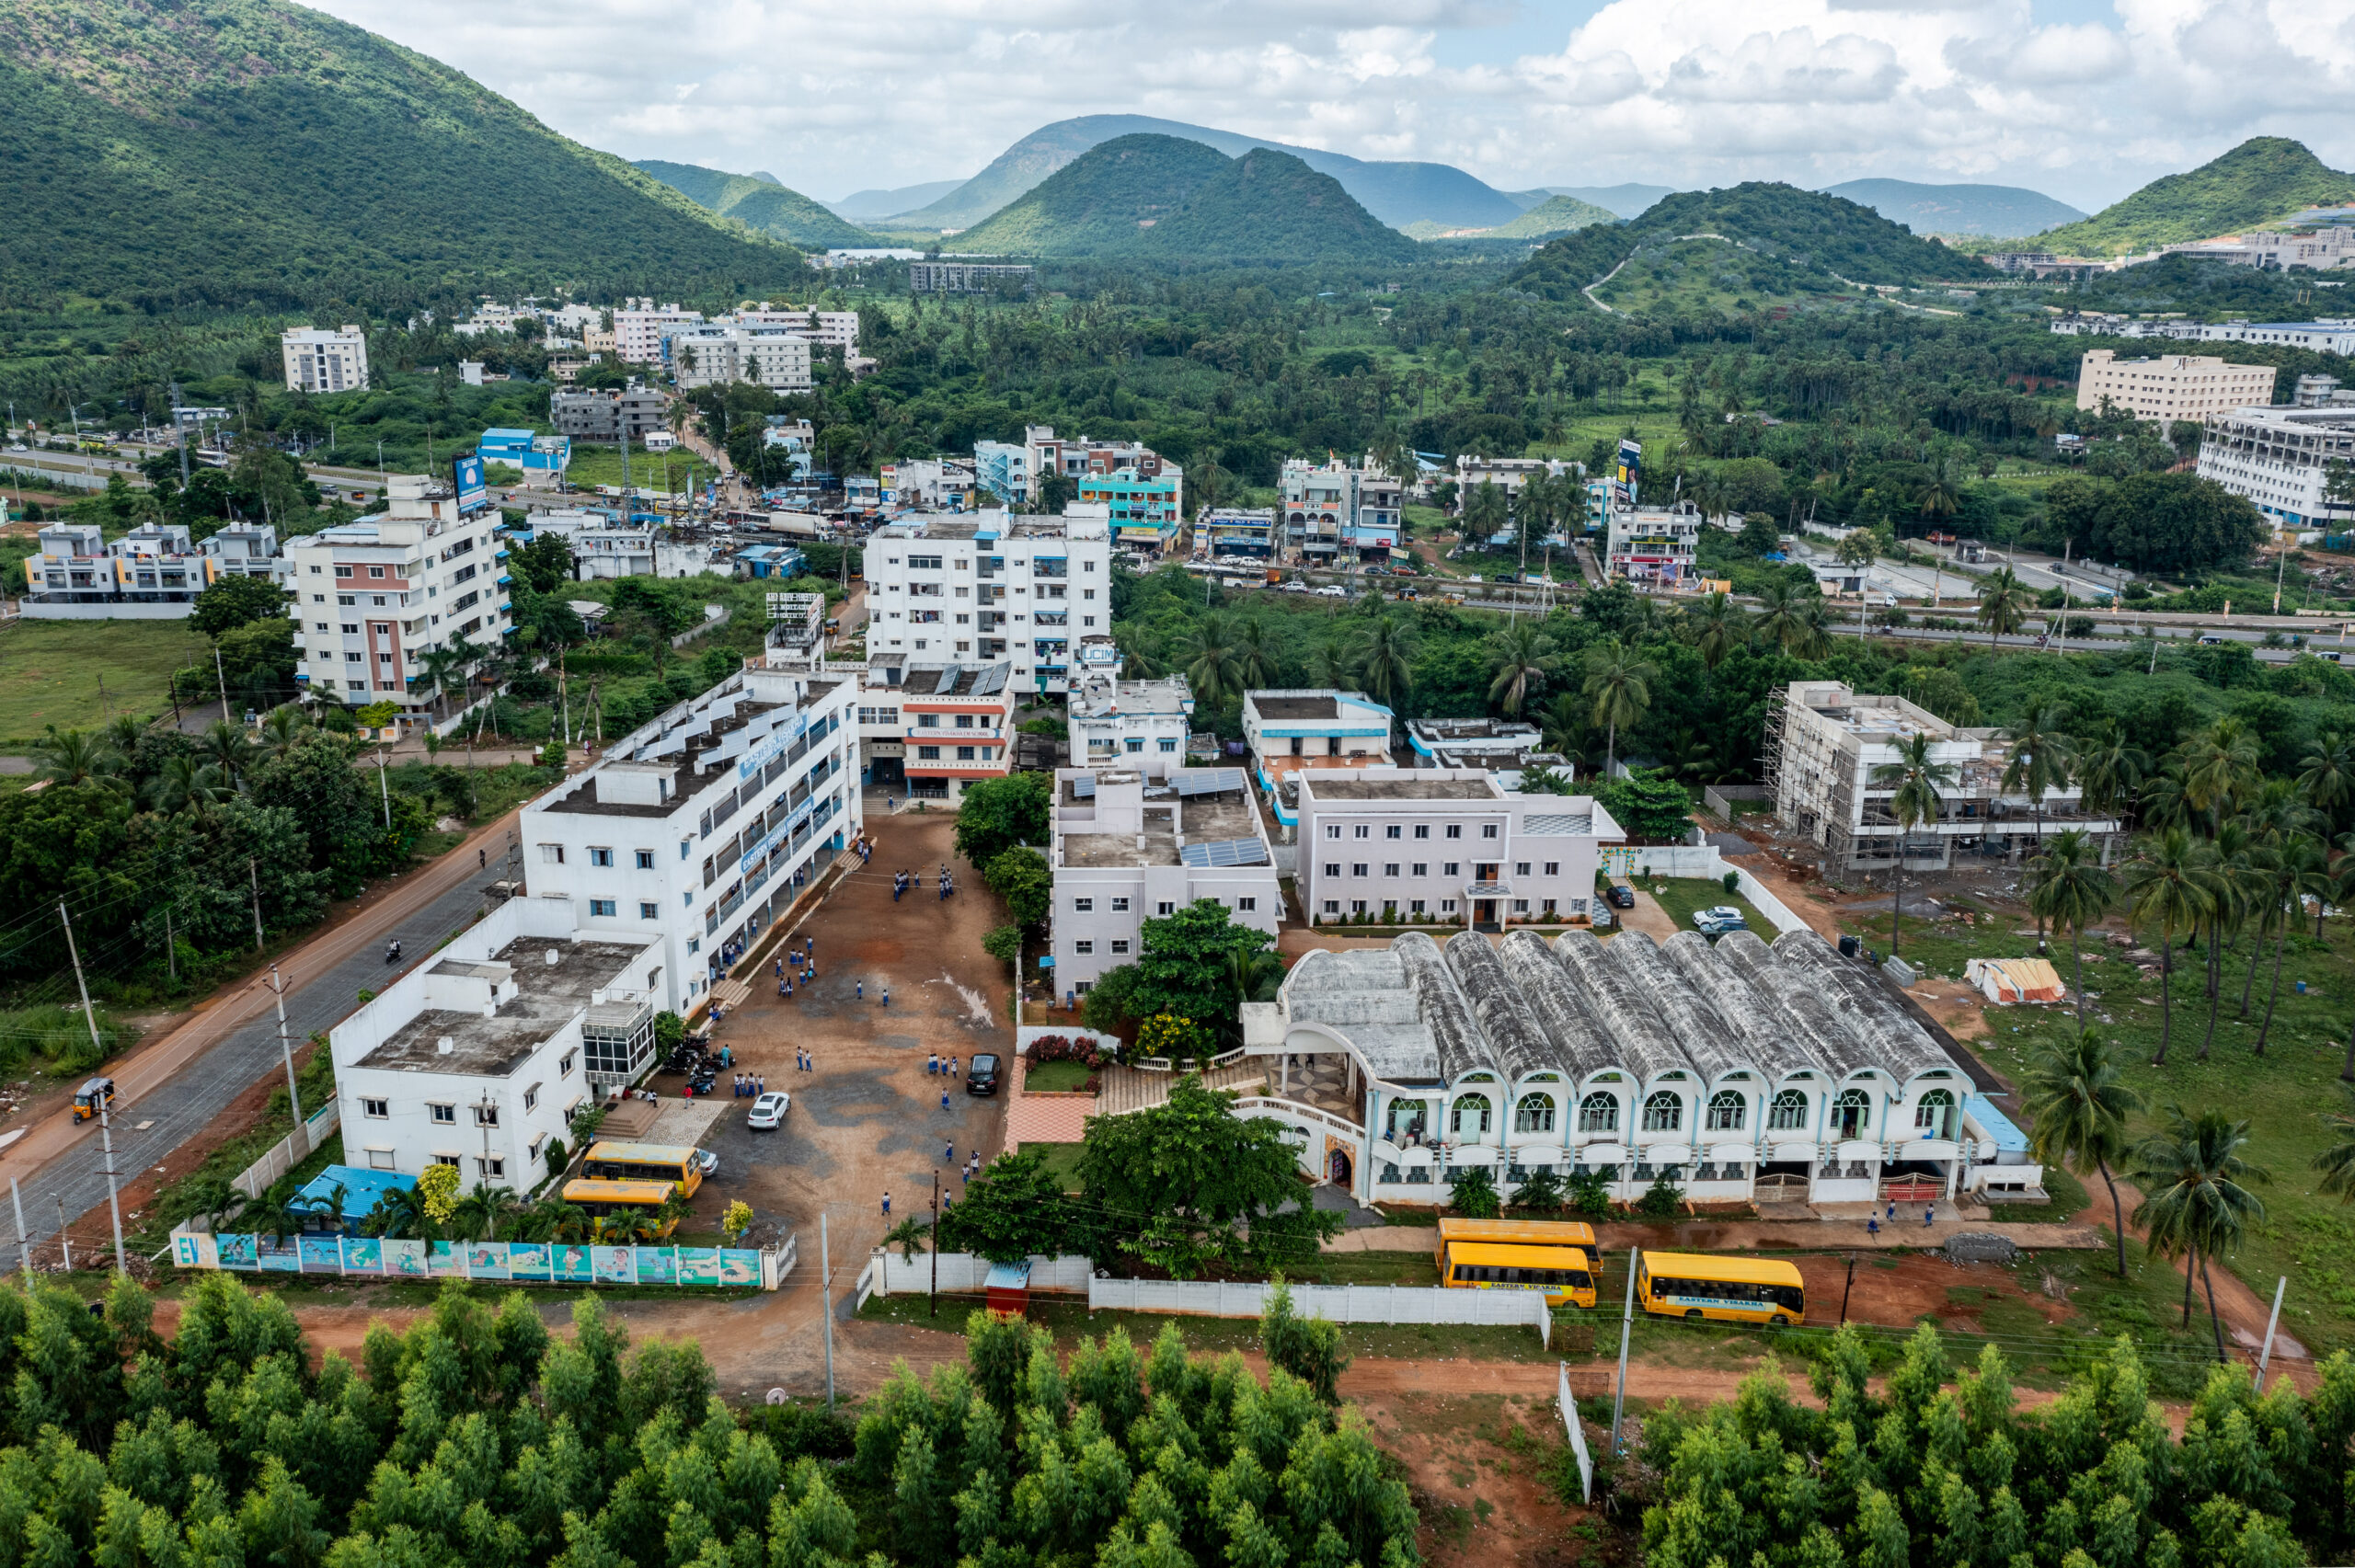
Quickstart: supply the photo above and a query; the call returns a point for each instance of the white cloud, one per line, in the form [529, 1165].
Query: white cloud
[832, 96]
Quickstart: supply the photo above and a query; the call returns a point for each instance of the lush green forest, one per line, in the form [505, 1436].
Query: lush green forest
[253, 154]
[762, 205]
[2263, 180]
[479, 1437]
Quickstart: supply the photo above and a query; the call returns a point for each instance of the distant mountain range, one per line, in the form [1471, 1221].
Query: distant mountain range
[864, 206]
[2266, 179]
[2004, 209]
[1396, 193]
[1624, 201]
[1173, 197]
[760, 203]
[237, 152]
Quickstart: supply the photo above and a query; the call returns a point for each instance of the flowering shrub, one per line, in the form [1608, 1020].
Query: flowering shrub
[1086, 1050]
[438, 1186]
[1166, 1034]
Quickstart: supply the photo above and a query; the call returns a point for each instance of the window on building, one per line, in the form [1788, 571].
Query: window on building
[493, 1169]
[927, 721]
[376, 571]
[379, 1109]
[446, 1116]
[1392, 831]
[1453, 868]
[1534, 1113]
[1423, 830]
[1332, 868]
[1521, 868]
[1599, 1113]
[1332, 830]
[1471, 1115]
[1120, 944]
[1664, 1113]
[964, 753]
[485, 1115]
[1488, 829]
[378, 1159]
[1120, 906]
[646, 860]
[1851, 1114]
[532, 1098]
[1788, 1113]
[1728, 1110]
[1930, 1112]
[1455, 830]
[1083, 945]
[1362, 831]
[1553, 868]
[927, 753]
[602, 908]
[552, 854]
[647, 911]
[564, 1064]
[1332, 906]
[1164, 908]
[1082, 906]
[1521, 906]
[1247, 905]
[1169, 745]
[600, 857]
[1357, 906]
[1422, 868]
[1358, 868]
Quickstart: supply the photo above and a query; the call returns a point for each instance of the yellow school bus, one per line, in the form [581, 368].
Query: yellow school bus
[1558, 1256]
[672, 1163]
[603, 1199]
[1694, 1285]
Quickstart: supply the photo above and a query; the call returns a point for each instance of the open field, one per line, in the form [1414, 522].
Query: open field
[80, 673]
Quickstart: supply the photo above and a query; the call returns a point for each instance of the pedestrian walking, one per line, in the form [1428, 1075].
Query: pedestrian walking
[789, 985]
[780, 968]
[887, 1206]
[862, 990]
[932, 1065]
[482, 859]
[887, 996]
[759, 1084]
[1929, 1213]
[948, 1154]
[944, 1099]
[953, 1067]
[780, 989]
[1872, 1226]
[1892, 1213]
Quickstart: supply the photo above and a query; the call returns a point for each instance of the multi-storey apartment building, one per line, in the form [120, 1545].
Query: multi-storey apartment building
[1335, 506]
[1825, 743]
[478, 1057]
[703, 823]
[827, 329]
[2167, 388]
[933, 729]
[1142, 509]
[1120, 860]
[1290, 732]
[600, 415]
[640, 327]
[2279, 459]
[372, 597]
[720, 354]
[320, 360]
[1004, 470]
[1487, 743]
[1076, 458]
[1138, 725]
[987, 586]
[244, 549]
[1445, 844]
[965, 277]
[1251, 532]
[1654, 546]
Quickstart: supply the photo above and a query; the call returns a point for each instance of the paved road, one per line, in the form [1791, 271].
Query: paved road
[180, 1083]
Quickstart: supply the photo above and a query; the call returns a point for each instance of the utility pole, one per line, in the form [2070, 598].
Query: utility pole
[1626, 1326]
[64, 1243]
[181, 432]
[98, 1049]
[384, 789]
[293, 1096]
[2266, 1356]
[171, 953]
[253, 878]
[24, 1246]
[935, 1305]
[220, 675]
[826, 1302]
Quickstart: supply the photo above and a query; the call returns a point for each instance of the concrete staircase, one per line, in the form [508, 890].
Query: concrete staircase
[1126, 1089]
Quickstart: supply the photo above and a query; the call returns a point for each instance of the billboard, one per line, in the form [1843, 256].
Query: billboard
[1630, 470]
[472, 491]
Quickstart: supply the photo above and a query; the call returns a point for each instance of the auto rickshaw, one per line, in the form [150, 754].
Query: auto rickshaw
[94, 1096]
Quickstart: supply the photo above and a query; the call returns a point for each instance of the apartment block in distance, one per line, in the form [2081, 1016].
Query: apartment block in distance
[601, 414]
[716, 353]
[1290, 732]
[1656, 546]
[1824, 745]
[1337, 507]
[478, 1057]
[1138, 725]
[2169, 387]
[986, 586]
[1120, 860]
[320, 360]
[930, 730]
[372, 597]
[703, 823]
[2279, 459]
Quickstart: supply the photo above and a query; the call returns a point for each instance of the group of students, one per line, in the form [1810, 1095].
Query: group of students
[803, 962]
[936, 1064]
[907, 881]
[751, 1085]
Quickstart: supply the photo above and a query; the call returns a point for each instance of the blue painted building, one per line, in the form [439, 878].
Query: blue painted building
[537, 455]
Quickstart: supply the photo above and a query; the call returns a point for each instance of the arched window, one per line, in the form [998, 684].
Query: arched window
[1788, 1113]
[1471, 1115]
[1852, 1113]
[1534, 1113]
[1599, 1113]
[1728, 1109]
[1664, 1113]
[1406, 1120]
[1930, 1112]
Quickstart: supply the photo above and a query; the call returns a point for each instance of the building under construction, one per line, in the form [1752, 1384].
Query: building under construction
[1736, 1071]
[1826, 747]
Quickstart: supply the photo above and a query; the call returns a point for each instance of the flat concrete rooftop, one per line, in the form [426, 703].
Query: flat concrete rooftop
[1204, 821]
[490, 1048]
[1406, 787]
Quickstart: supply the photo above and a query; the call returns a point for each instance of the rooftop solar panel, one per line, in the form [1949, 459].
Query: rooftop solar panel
[1084, 788]
[1224, 851]
[1207, 781]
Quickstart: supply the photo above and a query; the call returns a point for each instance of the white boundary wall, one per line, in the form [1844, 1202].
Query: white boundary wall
[1337, 1303]
[1681, 860]
[889, 1274]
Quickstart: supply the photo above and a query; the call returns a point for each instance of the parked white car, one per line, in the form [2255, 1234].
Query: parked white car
[768, 1111]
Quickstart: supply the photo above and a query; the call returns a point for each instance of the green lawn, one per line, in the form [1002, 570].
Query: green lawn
[1057, 1078]
[78, 673]
[1688, 895]
[2306, 1236]
[1063, 1159]
[656, 471]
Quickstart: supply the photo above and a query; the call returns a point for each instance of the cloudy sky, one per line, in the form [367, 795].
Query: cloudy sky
[2083, 100]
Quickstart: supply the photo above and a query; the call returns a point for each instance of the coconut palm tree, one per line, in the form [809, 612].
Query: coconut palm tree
[1517, 654]
[908, 1235]
[2078, 1102]
[1916, 777]
[2041, 758]
[2110, 769]
[75, 756]
[123, 732]
[183, 784]
[1618, 682]
[225, 746]
[2328, 775]
[2167, 884]
[1213, 666]
[2004, 602]
[2068, 887]
[2193, 1173]
[1564, 727]
[401, 1213]
[1384, 660]
[1782, 606]
[281, 727]
[1714, 627]
[2337, 1163]
[2231, 865]
[2220, 767]
[1137, 659]
[2299, 865]
[1254, 661]
[1329, 662]
[1483, 513]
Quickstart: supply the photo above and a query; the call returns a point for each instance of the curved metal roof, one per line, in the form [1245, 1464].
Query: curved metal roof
[1692, 1022]
[1582, 1047]
[1902, 1046]
[1751, 1020]
[1647, 1048]
[1822, 1027]
[1514, 1036]
[1456, 1030]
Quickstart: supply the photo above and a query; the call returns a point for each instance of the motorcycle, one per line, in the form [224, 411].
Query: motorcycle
[391, 953]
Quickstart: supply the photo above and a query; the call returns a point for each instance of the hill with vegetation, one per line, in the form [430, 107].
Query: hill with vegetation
[2263, 180]
[1786, 243]
[241, 153]
[1153, 196]
[1396, 193]
[1555, 216]
[2005, 210]
[1631, 200]
[761, 204]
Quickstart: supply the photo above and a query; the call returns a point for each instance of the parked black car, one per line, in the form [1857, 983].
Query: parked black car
[981, 1075]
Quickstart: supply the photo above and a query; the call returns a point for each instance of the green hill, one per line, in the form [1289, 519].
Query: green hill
[761, 204]
[1778, 241]
[241, 153]
[1555, 216]
[2263, 180]
[1169, 197]
[1101, 201]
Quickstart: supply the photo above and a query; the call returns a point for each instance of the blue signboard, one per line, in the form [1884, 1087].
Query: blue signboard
[472, 491]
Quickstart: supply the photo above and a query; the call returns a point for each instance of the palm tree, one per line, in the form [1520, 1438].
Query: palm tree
[401, 1213]
[2078, 1102]
[1915, 776]
[2165, 882]
[1781, 613]
[2230, 866]
[1255, 664]
[1330, 663]
[2110, 769]
[2068, 887]
[2327, 779]
[2193, 1174]
[2002, 604]
[77, 756]
[330, 1207]
[281, 727]
[1715, 628]
[1517, 654]
[1618, 682]
[1137, 659]
[2040, 761]
[1213, 666]
[225, 746]
[907, 1235]
[2337, 1163]
[1564, 726]
[1483, 513]
[437, 665]
[182, 784]
[123, 732]
[1253, 976]
[2299, 865]
[1384, 660]
[2220, 765]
